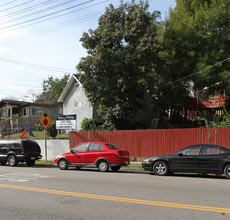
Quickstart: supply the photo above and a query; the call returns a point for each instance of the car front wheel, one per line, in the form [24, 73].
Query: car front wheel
[12, 160]
[227, 171]
[62, 164]
[160, 168]
[103, 166]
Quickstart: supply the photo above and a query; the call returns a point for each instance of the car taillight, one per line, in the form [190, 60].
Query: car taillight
[118, 155]
[22, 151]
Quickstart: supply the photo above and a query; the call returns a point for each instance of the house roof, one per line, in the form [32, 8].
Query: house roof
[73, 79]
[12, 102]
[23, 103]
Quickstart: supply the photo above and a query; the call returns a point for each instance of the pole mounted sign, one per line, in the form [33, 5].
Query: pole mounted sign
[66, 122]
[45, 120]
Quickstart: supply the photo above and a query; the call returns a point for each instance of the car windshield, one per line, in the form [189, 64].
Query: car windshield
[112, 147]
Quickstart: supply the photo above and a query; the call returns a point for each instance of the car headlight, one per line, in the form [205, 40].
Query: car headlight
[146, 161]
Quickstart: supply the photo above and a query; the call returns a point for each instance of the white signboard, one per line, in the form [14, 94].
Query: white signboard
[66, 122]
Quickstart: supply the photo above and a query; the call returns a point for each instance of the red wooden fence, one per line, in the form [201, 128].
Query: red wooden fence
[143, 143]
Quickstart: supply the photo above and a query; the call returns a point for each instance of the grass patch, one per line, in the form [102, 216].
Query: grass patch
[134, 165]
[38, 135]
[44, 162]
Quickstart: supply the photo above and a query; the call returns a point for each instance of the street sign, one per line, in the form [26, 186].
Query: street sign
[45, 120]
[66, 122]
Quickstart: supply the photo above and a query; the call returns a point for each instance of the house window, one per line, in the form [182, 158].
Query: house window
[25, 112]
[77, 104]
[36, 111]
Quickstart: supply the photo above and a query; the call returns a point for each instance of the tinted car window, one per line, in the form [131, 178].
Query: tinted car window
[191, 150]
[210, 150]
[5, 146]
[81, 148]
[95, 147]
[16, 146]
[112, 147]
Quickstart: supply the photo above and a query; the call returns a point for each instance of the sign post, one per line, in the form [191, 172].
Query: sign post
[45, 121]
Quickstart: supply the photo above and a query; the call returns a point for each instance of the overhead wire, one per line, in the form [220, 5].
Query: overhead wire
[193, 74]
[8, 3]
[55, 27]
[57, 16]
[17, 5]
[37, 12]
[44, 16]
[44, 10]
[36, 66]
[27, 9]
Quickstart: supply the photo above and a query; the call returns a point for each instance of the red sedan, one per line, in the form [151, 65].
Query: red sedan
[93, 154]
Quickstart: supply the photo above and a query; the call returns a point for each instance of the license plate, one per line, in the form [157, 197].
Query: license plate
[32, 158]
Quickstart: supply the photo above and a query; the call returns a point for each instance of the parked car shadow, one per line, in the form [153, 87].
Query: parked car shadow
[125, 170]
[194, 175]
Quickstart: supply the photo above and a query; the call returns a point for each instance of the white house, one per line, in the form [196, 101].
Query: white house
[75, 101]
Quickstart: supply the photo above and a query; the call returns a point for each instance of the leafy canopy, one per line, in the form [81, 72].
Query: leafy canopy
[52, 89]
[196, 45]
[120, 55]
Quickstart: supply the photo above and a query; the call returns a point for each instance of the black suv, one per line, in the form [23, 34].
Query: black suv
[14, 151]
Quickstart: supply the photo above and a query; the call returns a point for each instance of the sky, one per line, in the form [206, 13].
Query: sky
[41, 38]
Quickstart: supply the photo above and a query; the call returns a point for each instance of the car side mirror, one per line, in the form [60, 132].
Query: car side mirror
[180, 154]
[71, 151]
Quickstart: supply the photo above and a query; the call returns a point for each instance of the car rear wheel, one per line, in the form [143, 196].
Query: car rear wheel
[62, 164]
[30, 163]
[103, 166]
[12, 161]
[160, 168]
[227, 171]
[115, 169]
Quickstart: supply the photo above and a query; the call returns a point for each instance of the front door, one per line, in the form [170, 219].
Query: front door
[77, 154]
[95, 151]
[187, 159]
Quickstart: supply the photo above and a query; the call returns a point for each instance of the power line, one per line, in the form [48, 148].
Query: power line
[28, 9]
[41, 11]
[44, 10]
[8, 3]
[36, 66]
[51, 28]
[56, 27]
[193, 74]
[17, 6]
[47, 15]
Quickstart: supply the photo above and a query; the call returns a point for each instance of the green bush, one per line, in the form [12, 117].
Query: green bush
[88, 124]
[52, 129]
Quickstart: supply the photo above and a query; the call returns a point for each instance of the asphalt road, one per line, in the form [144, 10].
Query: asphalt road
[50, 193]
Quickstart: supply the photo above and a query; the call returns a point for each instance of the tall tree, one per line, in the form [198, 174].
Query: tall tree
[52, 88]
[121, 53]
[195, 43]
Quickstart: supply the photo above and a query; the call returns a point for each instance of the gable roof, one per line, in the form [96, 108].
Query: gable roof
[73, 79]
